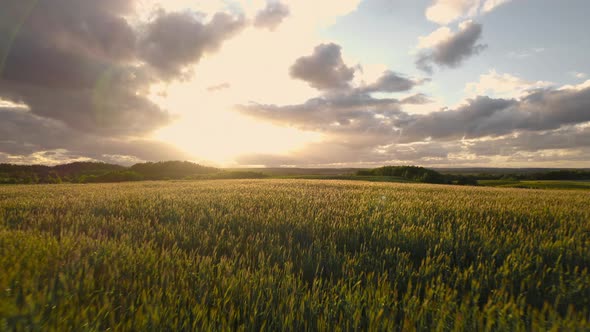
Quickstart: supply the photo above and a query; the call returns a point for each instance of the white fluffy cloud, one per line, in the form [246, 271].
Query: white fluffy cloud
[447, 11]
[490, 5]
[579, 75]
[436, 37]
[504, 85]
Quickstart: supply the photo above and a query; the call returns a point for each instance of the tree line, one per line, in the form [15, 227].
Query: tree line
[419, 174]
[95, 172]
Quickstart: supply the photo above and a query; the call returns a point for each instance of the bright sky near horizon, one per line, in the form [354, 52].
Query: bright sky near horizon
[337, 83]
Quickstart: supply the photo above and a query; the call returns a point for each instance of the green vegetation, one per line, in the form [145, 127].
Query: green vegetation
[292, 254]
[92, 172]
[419, 174]
[560, 175]
[548, 184]
[412, 173]
[520, 174]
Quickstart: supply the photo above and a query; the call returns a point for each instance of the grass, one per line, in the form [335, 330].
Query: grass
[544, 184]
[292, 255]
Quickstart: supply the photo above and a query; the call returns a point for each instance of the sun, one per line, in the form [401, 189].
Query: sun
[206, 123]
[208, 127]
[223, 137]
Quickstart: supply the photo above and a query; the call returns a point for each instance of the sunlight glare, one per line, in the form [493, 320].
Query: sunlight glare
[227, 135]
[208, 127]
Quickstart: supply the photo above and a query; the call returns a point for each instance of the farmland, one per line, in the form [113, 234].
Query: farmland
[292, 254]
[540, 184]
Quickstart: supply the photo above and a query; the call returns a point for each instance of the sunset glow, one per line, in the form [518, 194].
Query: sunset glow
[308, 83]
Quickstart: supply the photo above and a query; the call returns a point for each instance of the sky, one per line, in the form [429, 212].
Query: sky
[301, 83]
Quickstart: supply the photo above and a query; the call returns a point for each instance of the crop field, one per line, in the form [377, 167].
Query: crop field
[538, 184]
[285, 254]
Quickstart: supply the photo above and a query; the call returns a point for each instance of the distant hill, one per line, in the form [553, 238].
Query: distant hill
[94, 172]
[79, 168]
[502, 171]
[519, 173]
[91, 172]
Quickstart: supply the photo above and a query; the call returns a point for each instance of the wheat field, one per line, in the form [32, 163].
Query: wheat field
[293, 255]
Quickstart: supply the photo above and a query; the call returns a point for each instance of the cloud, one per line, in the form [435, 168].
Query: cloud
[324, 69]
[438, 36]
[24, 134]
[347, 110]
[453, 49]
[390, 82]
[578, 75]
[329, 114]
[579, 87]
[490, 5]
[541, 110]
[526, 53]
[110, 108]
[378, 130]
[83, 69]
[566, 138]
[173, 41]
[54, 157]
[272, 15]
[417, 99]
[72, 61]
[337, 153]
[312, 13]
[219, 87]
[448, 11]
[64, 46]
[504, 85]
[76, 80]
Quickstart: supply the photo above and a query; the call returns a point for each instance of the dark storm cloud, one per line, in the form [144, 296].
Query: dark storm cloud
[453, 51]
[84, 71]
[174, 40]
[272, 15]
[324, 69]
